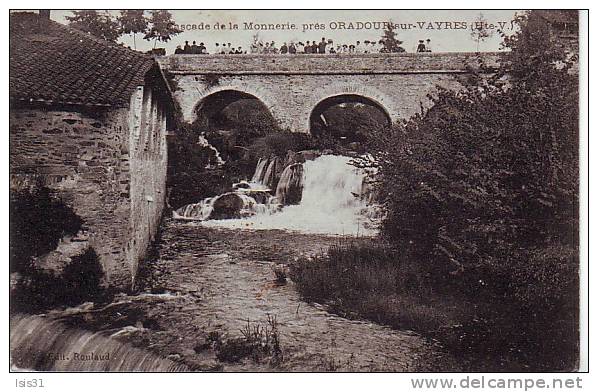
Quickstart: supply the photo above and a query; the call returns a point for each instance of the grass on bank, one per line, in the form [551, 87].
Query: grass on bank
[478, 315]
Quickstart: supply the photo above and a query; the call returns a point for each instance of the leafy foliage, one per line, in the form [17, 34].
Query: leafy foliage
[232, 133]
[162, 27]
[80, 281]
[38, 220]
[481, 32]
[98, 23]
[350, 123]
[133, 22]
[390, 41]
[483, 189]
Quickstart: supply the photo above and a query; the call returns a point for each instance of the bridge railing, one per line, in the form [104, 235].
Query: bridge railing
[327, 63]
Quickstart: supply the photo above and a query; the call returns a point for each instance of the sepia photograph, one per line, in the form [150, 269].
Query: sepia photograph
[298, 191]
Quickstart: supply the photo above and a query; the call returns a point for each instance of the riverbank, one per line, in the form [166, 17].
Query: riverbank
[469, 312]
[206, 289]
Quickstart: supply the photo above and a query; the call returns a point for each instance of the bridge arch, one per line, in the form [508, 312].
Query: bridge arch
[352, 93]
[213, 100]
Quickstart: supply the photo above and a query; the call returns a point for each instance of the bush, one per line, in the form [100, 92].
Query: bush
[37, 220]
[490, 316]
[80, 281]
[279, 143]
[482, 190]
[257, 342]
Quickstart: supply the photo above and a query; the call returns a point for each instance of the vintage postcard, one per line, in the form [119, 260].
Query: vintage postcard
[295, 191]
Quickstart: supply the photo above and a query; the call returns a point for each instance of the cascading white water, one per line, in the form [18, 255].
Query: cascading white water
[258, 176]
[41, 343]
[330, 201]
[202, 141]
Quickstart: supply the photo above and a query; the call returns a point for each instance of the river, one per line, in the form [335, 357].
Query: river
[208, 282]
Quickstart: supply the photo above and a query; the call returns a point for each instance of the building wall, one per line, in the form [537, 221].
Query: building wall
[100, 169]
[291, 86]
[148, 153]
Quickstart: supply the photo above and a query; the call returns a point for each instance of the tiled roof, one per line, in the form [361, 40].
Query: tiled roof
[55, 64]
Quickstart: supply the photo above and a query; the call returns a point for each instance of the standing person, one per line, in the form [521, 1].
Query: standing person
[178, 50]
[284, 49]
[428, 46]
[322, 46]
[300, 47]
[230, 49]
[202, 48]
[194, 48]
[314, 47]
[292, 48]
[307, 49]
[366, 46]
[187, 48]
[217, 48]
[358, 47]
[421, 47]
[330, 47]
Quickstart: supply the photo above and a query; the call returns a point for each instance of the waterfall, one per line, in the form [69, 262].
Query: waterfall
[202, 141]
[258, 176]
[44, 344]
[290, 186]
[331, 199]
[270, 178]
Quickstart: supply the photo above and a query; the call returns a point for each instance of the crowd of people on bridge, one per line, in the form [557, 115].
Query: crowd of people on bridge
[325, 46]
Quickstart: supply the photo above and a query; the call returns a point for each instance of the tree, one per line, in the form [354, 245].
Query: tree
[483, 188]
[133, 22]
[390, 41]
[97, 23]
[162, 27]
[480, 31]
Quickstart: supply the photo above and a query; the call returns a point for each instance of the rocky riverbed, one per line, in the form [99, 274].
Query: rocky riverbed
[209, 298]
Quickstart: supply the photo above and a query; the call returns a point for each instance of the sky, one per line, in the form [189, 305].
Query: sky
[449, 31]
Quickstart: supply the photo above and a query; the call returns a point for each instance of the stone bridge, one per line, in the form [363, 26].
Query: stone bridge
[298, 88]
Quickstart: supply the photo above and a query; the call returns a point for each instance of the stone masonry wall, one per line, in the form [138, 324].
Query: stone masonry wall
[291, 86]
[85, 160]
[148, 152]
[106, 166]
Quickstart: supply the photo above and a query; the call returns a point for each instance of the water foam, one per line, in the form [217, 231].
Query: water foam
[330, 202]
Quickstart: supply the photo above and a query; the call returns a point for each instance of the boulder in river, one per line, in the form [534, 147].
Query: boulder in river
[227, 206]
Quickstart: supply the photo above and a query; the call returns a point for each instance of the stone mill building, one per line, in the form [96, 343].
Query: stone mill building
[88, 119]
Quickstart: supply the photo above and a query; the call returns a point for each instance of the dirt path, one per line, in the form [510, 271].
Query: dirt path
[218, 280]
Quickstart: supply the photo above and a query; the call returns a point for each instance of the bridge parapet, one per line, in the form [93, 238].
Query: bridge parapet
[295, 87]
[326, 64]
